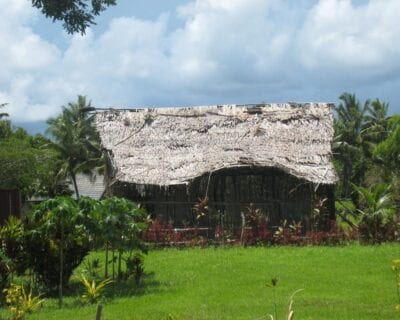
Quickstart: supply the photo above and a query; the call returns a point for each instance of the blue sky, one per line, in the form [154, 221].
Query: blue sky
[181, 52]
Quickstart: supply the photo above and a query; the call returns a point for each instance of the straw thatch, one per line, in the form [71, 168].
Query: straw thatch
[169, 146]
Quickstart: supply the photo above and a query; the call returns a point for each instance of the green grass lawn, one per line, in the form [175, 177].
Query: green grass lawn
[349, 282]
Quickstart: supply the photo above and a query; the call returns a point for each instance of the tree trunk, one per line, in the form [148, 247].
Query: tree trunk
[113, 263]
[73, 178]
[119, 264]
[106, 266]
[60, 286]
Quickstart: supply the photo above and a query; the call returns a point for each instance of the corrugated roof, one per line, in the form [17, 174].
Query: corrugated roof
[92, 187]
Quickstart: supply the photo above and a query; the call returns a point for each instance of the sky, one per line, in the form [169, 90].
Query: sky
[164, 53]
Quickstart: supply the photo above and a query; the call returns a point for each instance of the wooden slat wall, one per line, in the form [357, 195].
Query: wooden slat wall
[279, 195]
[10, 204]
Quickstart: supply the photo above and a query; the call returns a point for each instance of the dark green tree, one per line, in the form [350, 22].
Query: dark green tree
[20, 160]
[76, 15]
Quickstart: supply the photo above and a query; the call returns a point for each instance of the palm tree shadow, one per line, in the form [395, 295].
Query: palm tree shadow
[147, 285]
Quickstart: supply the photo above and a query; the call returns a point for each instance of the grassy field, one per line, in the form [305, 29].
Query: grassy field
[349, 282]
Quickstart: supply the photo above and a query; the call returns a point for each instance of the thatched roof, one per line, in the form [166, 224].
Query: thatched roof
[168, 146]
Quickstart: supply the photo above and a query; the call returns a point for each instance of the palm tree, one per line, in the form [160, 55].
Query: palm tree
[76, 140]
[349, 144]
[375, 128]
[377, 209]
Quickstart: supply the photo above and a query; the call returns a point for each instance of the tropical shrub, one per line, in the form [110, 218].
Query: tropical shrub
[121, 224]
[159, 232]
[58, 240]
[93, 290]
[255, 227]
[21, 303]
[12, 240]
[91, 268]
[377, 214]
[135, 267]
[6, 267]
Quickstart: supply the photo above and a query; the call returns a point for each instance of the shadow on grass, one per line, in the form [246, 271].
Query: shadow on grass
[147, 285]
[123, 288]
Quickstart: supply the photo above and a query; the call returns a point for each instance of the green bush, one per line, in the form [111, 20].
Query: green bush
[6, 267]
[20, 303]
[13, 242]
[58, 240]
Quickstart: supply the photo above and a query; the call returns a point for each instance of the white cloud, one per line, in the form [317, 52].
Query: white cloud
[224, 51]
[364, 38]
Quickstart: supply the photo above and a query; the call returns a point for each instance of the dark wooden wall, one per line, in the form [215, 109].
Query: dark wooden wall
[279, 195]
[10, 204]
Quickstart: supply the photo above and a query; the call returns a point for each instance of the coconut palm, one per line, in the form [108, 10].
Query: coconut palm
[349, 144]
[375, 128]
[76, 140]
[376, 210]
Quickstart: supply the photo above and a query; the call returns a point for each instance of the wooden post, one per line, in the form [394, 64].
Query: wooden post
[98, 312]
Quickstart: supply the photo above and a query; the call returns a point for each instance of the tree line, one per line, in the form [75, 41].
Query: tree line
[366, 152]
[45, 165]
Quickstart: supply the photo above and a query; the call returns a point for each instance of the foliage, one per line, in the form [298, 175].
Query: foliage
[76, 141]
[19, 162]
[93, 290]
[201, 209]
[6, 267]
[376, 122]
[122, 222]
[348, 144]
[359, 129]
[254, 226]
[58, 240]
[21, 303]
[377, 214]
[76, 15]
[91, 268]
[388, 151]
[12, 240]
[135, 267]
[163, 233]
[26, 164]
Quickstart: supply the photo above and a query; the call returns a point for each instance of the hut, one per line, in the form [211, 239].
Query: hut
[276, 157]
